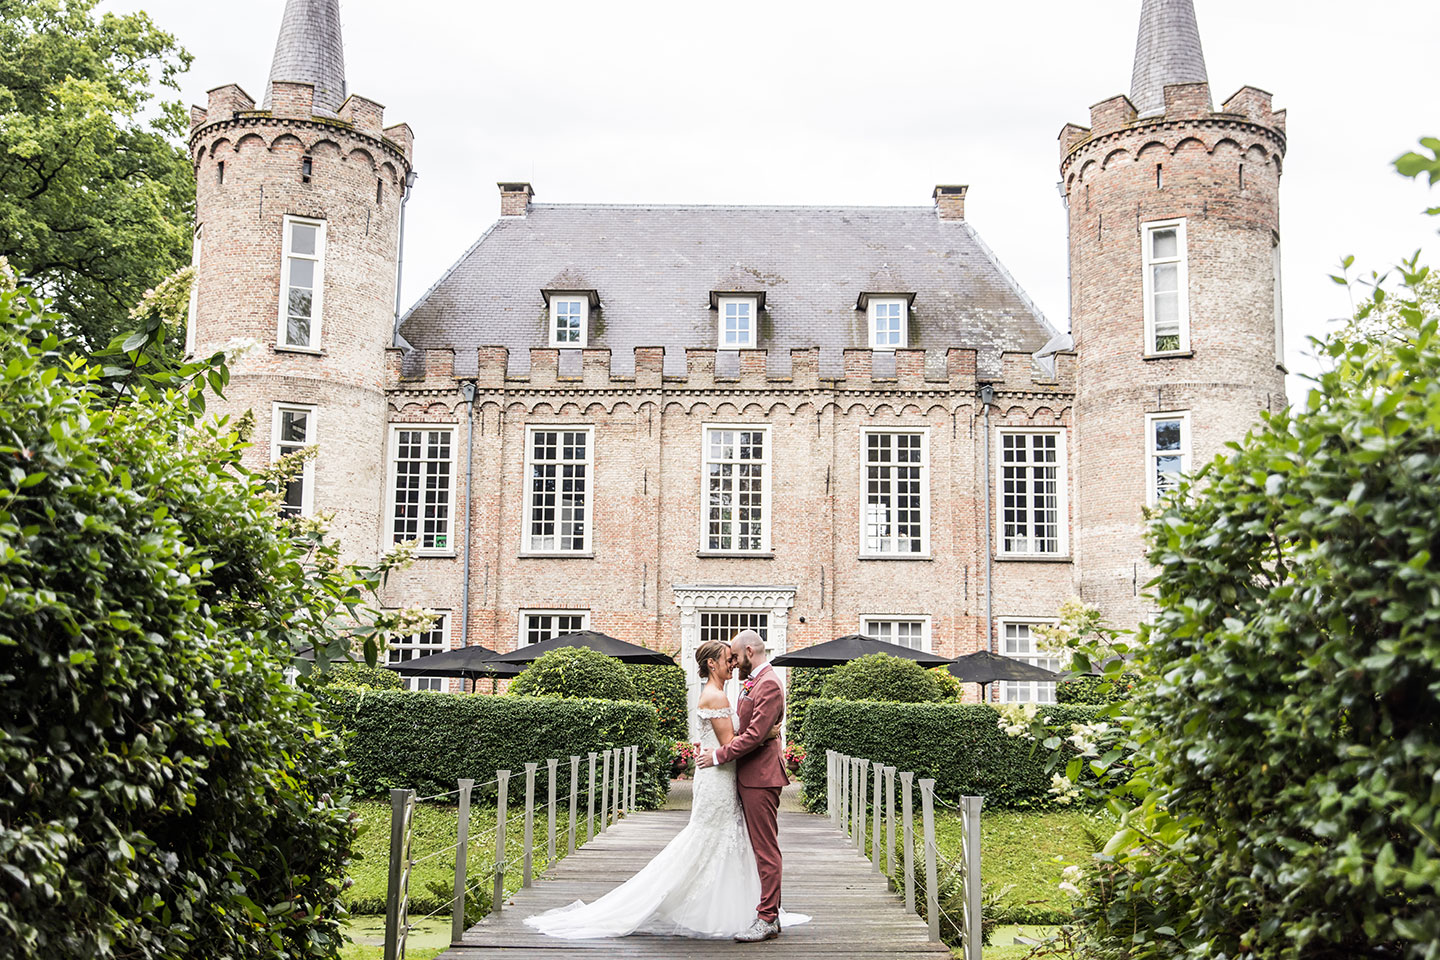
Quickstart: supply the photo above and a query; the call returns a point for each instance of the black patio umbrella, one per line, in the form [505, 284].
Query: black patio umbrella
[984, 667]
[852, 647]
[470, 663]
[599, 642]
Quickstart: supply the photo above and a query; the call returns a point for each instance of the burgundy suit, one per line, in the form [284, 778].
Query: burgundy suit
[760, 773]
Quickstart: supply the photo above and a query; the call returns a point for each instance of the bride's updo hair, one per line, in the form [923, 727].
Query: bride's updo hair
[708, 651]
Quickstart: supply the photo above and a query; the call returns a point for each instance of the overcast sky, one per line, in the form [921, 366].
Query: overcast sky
[776, 103]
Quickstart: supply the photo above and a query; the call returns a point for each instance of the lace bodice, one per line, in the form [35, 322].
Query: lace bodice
[708, 740]
[715, 801]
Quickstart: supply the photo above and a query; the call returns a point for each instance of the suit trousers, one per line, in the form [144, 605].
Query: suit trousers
[762, 811]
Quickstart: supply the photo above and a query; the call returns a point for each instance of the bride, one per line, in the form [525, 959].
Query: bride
[705, 882]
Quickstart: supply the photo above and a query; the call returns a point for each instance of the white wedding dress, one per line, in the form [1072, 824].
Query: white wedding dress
[704, 883]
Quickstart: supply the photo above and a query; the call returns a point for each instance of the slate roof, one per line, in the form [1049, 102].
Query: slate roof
[654, 268]
[309, 50]
[1167, 50]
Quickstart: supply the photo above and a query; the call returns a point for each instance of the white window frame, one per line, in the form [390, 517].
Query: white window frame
[392, 461]
[441, 626]
[528, 506]
[749, 344]
[1002, 687]
[924, 434]
[191, 330]
[307, 473]
[317, 301]
[1151, 454]
[872, 309]
[1062, 486]
[767, 503]
[923, 619]
[1182, 281]
[555, 340]
[522, 622]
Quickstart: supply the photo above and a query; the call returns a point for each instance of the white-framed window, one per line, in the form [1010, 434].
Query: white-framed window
[1167, 452]
[910, 631]
[1032, 516]
[421, 484]
[190, 312]
[736, 478]
[568, 317]
[423, 644]
[887, 323]
[737, 322]
[1018, 640]
[537, 626]
[292, 429]
[302, 284]
[559, 464]
[895, 506]
[1167, 288]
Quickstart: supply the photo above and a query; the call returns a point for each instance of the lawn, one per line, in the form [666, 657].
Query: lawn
[1003, 945]
[427, 940]
[1027, 851]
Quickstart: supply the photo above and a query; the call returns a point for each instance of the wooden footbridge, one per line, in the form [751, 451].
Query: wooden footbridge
[867, 873]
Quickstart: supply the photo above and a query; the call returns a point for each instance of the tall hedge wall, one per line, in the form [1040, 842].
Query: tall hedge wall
[802, 684]
[959, 744]
[428, 742]
[663, 687]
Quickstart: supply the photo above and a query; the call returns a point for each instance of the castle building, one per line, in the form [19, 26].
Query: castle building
[669, 422]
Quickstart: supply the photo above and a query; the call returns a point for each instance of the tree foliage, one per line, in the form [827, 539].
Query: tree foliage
[575, 672]
[96, 194]
[879, 676]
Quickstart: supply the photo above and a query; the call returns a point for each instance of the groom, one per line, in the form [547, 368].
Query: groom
[760, 773]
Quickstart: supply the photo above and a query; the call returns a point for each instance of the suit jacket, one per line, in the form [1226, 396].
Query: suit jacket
[759, 762]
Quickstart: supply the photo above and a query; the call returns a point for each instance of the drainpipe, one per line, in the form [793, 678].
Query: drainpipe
[987, 397]
[400, 255]
[467, 393]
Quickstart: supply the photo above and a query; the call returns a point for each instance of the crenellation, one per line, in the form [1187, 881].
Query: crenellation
[859, 367]
[544, 367]
[292, 101]
[1071, 136]
[225, 102]
[649, 367]
[910, 368]
[365, 115]
[402, 138]
[805, 367]
[699, 368]
[961, 364]
[439, 363]
[1110, 115]
[595, 368]
[1187, 101]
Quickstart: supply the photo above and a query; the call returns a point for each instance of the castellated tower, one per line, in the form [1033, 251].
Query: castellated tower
[298, 210]
[1174, 226]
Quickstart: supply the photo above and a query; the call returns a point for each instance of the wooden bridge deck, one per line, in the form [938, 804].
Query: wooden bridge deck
[855, 914]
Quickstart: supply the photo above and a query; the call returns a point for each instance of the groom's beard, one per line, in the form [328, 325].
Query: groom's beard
[744, 668]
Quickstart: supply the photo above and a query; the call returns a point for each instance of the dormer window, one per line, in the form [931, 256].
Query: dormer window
[888, 316]
[737, 322]
[570, 314]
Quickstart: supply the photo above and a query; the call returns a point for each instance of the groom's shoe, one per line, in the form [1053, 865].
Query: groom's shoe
[760, 930]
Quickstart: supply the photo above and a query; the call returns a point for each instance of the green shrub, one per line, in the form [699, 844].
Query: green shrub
[879, 676]
[961, 745]
[396, 739]
[1094, 691]
[663, 687]
[951, 689]
[802, 685]
[360, 676]
[575, 672]
[163, 791]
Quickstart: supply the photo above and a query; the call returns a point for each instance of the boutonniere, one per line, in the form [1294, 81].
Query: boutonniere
[749, 685]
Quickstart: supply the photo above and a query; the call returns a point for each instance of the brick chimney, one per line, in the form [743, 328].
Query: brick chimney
[515, 199]
[950, 201]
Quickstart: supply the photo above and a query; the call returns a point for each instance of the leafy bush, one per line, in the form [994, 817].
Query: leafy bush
[802, 685]
[663, 687]
[396, 739]
[961, 745]
[951, 689]
[682, 759]
[163, 791]
[879, 676]
[575, 672]
[361, 676]
[1095, 691]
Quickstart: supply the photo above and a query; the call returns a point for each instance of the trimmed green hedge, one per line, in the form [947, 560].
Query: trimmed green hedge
[663, 687]
[1095, 691]
[959, 744]
[879, 676]
[802, 685]
[428, 742]
[575, 672]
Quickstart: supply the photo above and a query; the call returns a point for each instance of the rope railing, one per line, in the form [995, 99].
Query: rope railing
[618, 769]
[860, 797]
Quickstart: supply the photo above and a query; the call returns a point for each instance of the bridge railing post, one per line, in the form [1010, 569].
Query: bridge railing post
[970, 851]
[462, 843]
[634, 775]
[875, 820]
[550, 766]
[590, 801]
[890, 825]
[526, 863]
[844, 774]
[619, 779]
[605, 792]
[862, 785]
[907, 809]
[397, 890]
[932, 895]
[574, 792]
[502, 788]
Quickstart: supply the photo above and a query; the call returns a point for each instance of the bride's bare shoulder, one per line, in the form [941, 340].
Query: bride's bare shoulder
[713, 699]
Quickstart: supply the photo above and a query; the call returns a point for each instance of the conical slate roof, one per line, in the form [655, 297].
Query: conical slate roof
[309, 50]
[1167, 51]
